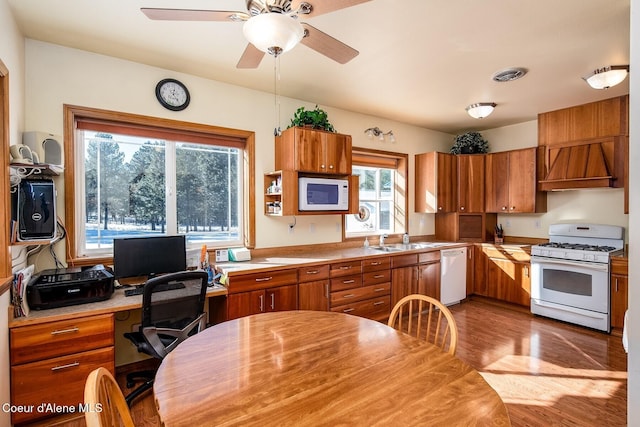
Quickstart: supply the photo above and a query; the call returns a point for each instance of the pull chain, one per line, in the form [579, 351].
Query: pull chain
[276, 79]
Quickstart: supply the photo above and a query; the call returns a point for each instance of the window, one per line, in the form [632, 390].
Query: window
[140, 179]
[382, 193]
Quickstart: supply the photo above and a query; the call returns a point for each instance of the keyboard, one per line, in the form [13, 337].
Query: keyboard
[139, 290]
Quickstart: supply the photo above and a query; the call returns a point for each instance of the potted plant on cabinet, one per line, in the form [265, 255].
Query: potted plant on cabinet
[469, 143]
[315, 119]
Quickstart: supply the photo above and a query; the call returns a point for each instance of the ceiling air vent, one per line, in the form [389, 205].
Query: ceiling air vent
[509, 75]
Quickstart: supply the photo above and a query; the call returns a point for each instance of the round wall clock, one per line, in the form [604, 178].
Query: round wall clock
[172, 94]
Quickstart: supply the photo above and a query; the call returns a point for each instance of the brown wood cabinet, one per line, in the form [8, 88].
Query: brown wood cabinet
[50, 362]
[415, 274]
[361, 288]
[504, 274]
[470, 183]
[313, 151]
[436, 182]
[313, 288]
[619, 291]
[280, 298]
[512, 181]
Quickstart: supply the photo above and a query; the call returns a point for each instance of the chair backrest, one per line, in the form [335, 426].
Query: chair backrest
[426, 318]
[171, 316]
[106, 406]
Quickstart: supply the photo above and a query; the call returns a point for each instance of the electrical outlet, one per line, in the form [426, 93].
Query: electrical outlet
[507, 223]
[538, 223]
[312, 228]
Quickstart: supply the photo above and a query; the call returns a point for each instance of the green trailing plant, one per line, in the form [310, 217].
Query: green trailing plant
[469, 143]
[316, 118]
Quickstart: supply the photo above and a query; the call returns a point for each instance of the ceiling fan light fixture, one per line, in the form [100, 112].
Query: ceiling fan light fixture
[480, 110]
[608, 76]
[273, 33]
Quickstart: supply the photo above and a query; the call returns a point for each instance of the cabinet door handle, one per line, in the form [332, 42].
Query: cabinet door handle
[378, 303]
[504, 208]
[375, 263]
[378, 276]
[526, 271]
[326, 291]
[348, 296]
[67, 366]
[345, 267]
[513, 208]
[348, 310]
[273, 301]
[313, 272]
[616, 284]
[65, 331]
[322, 166]
[330, 166]
[379, 290]
[264, 279]
[261, 304]
[347, 282]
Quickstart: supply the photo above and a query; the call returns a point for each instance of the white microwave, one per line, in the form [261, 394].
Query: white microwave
[323, 194]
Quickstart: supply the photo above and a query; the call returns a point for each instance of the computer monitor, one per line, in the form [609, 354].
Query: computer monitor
[148, 256]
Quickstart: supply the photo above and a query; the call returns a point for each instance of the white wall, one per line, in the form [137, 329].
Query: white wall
[600, 206]
[633, 401]
[12, 55]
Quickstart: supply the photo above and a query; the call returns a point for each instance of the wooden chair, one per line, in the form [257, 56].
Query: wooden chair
[426, 318]
[106, 406]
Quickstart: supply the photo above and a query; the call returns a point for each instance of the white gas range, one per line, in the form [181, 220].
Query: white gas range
[570, 274]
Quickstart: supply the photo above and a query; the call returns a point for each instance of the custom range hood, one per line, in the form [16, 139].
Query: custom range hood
[591, 165]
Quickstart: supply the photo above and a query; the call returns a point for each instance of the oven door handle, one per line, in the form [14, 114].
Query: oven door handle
[569, 263]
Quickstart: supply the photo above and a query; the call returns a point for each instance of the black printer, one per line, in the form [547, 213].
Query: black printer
[70, 286]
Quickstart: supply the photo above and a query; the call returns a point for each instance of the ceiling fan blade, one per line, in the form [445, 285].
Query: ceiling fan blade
[328, 46]
[320, 7]
[193, 15]
[251, 57]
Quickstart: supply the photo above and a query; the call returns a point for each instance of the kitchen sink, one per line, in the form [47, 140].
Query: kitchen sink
[397, 247]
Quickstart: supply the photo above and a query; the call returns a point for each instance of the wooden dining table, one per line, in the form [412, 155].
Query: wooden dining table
[312, 368]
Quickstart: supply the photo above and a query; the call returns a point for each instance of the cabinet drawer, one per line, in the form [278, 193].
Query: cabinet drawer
[376, 264]
[619, 266]
[268, 279]
[57, 381]
[432, 256]
[53, 339]
[346, 282]
[316, 272]
[507, 254]
[345, 268]
[359, 294]
[404, 260]
[376, 308]
[376, 277]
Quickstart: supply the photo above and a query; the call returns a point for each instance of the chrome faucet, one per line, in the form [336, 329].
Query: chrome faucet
[382, 237]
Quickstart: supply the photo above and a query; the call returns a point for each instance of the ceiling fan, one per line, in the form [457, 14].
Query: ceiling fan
[272, 26]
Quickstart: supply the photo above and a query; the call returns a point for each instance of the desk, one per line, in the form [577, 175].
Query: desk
[318, 368]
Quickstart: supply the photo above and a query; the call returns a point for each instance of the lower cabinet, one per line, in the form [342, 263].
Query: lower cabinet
[415, 274]
[279, 298]
[50, 363]
[619, 291]
[503, 273]
[313, 288]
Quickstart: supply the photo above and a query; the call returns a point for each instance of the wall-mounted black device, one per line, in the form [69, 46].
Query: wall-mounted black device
[35, 209]
[71, 286]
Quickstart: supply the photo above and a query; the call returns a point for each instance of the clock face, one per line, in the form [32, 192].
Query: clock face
[172, 94]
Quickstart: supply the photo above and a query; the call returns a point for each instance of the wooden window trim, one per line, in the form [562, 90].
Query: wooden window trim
[383, 159]
[5, 212]
[126, 122]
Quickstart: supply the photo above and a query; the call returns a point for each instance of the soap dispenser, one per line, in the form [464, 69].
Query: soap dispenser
[366, 242]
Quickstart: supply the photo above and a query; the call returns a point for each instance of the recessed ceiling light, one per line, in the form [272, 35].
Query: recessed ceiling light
[509, 75]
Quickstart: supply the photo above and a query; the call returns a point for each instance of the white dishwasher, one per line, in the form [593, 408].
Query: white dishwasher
[453, 275]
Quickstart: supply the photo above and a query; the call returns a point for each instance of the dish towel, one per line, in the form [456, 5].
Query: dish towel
[625, 339]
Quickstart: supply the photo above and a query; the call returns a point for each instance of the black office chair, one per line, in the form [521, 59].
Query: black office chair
[171, 313]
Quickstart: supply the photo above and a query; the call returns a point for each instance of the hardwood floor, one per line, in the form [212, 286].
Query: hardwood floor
[548, 373]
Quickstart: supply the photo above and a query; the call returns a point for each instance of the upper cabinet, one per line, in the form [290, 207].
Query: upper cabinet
[313, 151]
[585, 145]
[470, 183]
[436, 182]
[512, 181]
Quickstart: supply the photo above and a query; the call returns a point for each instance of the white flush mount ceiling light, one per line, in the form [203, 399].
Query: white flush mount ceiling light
[376, 132]
[481, 109]
[605, 77]
[273, 33]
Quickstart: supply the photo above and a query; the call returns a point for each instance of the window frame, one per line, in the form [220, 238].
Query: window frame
[390, 160]
[194, 132]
